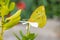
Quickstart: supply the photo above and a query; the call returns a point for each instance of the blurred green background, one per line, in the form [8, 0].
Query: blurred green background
[52, 7]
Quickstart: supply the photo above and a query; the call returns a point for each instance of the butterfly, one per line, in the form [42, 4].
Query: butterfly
[39, 16]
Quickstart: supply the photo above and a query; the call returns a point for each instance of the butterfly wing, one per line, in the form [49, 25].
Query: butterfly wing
[39, 16]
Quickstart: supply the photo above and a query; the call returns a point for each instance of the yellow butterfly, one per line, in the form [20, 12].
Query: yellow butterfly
[39, 16]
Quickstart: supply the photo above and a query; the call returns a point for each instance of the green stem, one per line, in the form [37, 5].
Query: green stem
[2, 31]
[28, 28]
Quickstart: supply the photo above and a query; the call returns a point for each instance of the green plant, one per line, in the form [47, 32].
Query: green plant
[27, 36]
[8, 22]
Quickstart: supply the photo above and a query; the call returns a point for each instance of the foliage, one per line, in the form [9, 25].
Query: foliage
[27, 36]
[52, 7]
[8, 22]
[6, 8]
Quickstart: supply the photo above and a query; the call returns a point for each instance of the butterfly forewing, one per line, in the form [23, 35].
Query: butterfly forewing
[39, 16]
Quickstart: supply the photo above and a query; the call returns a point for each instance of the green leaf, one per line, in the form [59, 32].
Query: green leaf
[12, 6]
[4, 10]
[7, 2]
[31, 36]
[21, 33]
[0, 1]
[17, 36]
[12, 20]
[11, 23]
[45, 2]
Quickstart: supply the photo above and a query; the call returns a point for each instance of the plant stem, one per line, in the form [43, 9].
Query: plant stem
[2, 31]
[28, 28]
